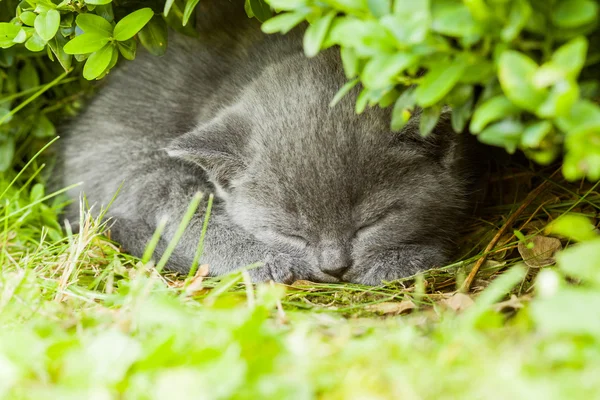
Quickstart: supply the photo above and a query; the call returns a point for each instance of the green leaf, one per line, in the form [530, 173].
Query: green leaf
[57, 46]
[128, 48]
[315, 34]
[574, 227]
[453, 18]
[7, 152]
[21, 36]
[43, 128]
[516, 75]
[28, 77]
[439, 81]
[566, 63]
[403, 109]
[168, 5]
[582, 261]
[574, 13]
[492, 110]
[190, 6]
[260, 10]
[8, 32]
[47, 23]
[154, 36]
[560, 100]
[517, 19]
[97, 63]
[28, 18]
[91, 23]
[410, 21]
[534, 134]
[283, 22]
[583, 116]
[342, 92]
[86, 43]
[461, 99]
[381, 71]
[132, 24]
[35, 43]
[429, 119]
[505, 134]
[98, 2]
[379, 8]
[350, 61]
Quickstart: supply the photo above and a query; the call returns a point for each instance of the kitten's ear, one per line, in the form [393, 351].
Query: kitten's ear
[217, 147]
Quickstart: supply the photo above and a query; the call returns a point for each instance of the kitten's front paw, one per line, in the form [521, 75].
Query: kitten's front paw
[395, 264]
[279, 267]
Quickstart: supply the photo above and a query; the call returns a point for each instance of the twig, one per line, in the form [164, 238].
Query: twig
[511, 220]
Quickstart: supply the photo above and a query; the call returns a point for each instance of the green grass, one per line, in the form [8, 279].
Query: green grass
[81, 320]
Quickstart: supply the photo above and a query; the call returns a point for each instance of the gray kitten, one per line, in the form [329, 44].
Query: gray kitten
[315, 192]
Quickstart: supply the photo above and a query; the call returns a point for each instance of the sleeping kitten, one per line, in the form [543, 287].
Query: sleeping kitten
[314, 192]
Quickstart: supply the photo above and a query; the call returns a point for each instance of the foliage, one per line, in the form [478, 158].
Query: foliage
[523, 72]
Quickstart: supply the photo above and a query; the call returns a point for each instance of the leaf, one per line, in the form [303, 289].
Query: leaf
[541, 254]
[128, 48]
[154, 36]
[260, 10]
[342, 92]
[403, 109]
[389, 307]
[91, 23]
[379, 8]
[28, 77]
[453, 19]
[492, 110]
[410, 21]
[8, 32]
[35, 43]
[574, 227]
[43, 128]
[46, 24]
[283, 23]
[86, 43]
[127, 27]
[28, 18]
[190, 6]
[458, 302]
[506, 133]
[7, 152]
[429, 119]
[516, 75]
[98, 2]
[519, 15]
[168, 5]
[439, 81]
[380, 71]
[315, 34]
[574, 13]
[535, 133]
[97, 63]
[57, 46]
[21, 36]
[566, 63]
[350, 61]
[582, 261]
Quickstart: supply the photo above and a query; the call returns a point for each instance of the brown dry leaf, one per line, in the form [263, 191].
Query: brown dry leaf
[513, 303]
[196, 284]
[389, 307]
[458, 302]
[542, 252]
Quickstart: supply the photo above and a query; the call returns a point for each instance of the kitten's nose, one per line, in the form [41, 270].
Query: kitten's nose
[335, 262]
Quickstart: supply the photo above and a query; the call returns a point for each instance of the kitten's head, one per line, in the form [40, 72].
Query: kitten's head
[324, 184]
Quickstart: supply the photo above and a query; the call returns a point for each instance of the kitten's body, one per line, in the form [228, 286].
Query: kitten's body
[316, 192]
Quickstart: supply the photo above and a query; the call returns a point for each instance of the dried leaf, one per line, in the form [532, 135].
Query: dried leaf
[541, 253]
[389, 307]
[196, 283]
[459, 302]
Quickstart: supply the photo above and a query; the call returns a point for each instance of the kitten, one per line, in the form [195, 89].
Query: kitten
[314, 192]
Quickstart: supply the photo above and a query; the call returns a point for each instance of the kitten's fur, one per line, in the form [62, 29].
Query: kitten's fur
[315, 192]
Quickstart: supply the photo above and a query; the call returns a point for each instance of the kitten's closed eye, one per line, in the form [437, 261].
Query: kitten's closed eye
[368, 226]
[290, 243]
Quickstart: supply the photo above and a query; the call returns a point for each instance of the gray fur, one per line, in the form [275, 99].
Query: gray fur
[315, 192]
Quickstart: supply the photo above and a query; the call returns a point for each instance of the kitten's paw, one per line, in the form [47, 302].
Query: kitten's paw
[395, 264]
[279, 267]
